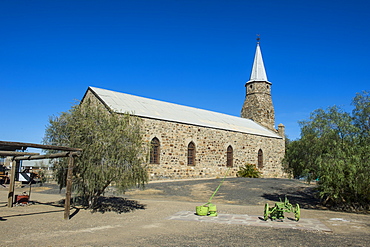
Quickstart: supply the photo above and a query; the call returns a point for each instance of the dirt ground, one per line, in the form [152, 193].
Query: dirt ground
[141, 218]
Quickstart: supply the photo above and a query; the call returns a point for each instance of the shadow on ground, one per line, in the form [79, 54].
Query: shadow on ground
[117, 204]
[103, 205]
[238, 191]
[305, 197]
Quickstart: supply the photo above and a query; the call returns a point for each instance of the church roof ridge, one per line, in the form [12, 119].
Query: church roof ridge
[150, 108]
[258, 70]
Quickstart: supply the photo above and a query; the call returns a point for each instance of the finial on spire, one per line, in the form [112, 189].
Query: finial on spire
[258, 38]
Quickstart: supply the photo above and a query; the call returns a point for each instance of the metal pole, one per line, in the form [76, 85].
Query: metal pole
[214, 193]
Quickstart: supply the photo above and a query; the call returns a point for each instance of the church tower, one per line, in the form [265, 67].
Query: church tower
[258, 103]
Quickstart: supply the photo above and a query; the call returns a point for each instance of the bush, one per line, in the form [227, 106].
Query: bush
[248, 171]
[334, 149]
[113, 150]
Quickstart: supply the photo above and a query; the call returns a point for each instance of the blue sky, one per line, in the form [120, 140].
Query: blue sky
[192, 52]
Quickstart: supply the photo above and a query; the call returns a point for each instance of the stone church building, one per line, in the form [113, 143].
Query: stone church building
[189, 142]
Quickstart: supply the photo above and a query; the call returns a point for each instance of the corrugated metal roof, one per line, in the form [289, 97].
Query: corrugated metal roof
[144, 107]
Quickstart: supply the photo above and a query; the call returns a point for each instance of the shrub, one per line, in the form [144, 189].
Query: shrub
[334, 149]
[248, 171]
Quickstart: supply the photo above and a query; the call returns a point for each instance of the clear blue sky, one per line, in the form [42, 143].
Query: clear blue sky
[192, 52]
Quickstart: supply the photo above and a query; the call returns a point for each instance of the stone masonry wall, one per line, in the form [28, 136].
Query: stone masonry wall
[258, 104]
[211, 145]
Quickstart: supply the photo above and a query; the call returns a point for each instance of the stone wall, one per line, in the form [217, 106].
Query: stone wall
[258, 104]
[211, 145]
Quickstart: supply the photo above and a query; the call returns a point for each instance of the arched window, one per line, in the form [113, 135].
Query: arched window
[229, 156]
[260, 159]
[154, 151]
[191, 154]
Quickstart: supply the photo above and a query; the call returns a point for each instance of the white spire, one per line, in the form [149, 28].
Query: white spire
[258, 70]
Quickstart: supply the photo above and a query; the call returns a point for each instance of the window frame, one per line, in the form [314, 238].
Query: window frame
[260, 159]
[191, 154]
[155, 147]
[229, 156]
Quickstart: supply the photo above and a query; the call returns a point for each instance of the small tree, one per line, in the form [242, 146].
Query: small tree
[334, 148]
[113, 150]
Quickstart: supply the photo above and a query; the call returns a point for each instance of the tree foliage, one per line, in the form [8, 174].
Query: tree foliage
[113, 151]
[334, 149]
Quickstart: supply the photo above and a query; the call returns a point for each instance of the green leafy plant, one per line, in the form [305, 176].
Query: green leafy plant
[334, 149]
[248, 171]
[113, 150]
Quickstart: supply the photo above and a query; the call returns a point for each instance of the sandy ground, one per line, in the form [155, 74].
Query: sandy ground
[144, 221]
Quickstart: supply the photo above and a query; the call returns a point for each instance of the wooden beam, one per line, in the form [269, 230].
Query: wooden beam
[13, 153]
[11, 185]
[46, 156]
[24, 145]
[67, 203]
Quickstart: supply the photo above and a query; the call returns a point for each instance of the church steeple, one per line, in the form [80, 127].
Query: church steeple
[258, 69]
[258, 103]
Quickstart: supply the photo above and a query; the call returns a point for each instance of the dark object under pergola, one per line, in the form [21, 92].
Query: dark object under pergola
[15, 150]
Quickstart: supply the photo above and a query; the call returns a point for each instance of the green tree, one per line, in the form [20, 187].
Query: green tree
[334, 149]
[113, 150]
[361, 115]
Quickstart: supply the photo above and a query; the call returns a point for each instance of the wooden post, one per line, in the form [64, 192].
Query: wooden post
[67, 203]
[11, 185]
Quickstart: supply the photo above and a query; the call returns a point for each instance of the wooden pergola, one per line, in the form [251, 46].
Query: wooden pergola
[15, 150]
